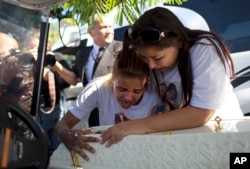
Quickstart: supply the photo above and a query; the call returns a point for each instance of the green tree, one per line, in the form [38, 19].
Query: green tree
[129, 9]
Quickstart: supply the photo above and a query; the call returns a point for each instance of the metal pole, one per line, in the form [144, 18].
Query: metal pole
[39, 66]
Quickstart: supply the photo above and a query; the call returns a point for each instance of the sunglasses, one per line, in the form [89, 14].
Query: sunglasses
[149, 35]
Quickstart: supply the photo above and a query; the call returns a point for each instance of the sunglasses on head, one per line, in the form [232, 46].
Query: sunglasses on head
[149, 35]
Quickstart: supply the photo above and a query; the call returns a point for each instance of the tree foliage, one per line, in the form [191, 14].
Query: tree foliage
[128, 9]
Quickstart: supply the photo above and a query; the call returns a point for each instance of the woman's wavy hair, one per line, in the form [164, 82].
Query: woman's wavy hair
[164, 20]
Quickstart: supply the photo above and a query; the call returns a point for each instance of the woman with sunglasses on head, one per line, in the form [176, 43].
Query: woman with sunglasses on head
[197, 62]
[119, 96]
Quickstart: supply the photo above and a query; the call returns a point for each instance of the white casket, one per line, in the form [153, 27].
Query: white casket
[197, 148]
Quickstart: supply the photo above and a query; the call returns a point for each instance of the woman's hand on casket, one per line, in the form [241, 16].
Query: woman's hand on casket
[116, 133]
[76, 141]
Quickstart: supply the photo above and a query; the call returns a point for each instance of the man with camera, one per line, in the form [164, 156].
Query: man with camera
[53, 81]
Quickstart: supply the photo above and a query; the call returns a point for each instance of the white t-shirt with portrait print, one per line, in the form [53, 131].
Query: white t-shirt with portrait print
[99, 94]
[212, 88]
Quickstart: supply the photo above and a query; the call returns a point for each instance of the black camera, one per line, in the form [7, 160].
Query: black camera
[49, 59]
[25, 61]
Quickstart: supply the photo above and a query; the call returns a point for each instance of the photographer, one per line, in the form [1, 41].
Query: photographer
[17, 74]
[50, 110]
[17, 79]
[53, 82]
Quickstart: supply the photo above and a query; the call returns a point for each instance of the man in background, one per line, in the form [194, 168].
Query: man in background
[87, 65]
[97, 60]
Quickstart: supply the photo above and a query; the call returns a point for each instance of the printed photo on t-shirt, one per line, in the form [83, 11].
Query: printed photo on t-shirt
[170, 93]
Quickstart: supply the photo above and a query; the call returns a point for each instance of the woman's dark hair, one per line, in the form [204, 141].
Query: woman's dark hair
[164, 20]
[129, 64]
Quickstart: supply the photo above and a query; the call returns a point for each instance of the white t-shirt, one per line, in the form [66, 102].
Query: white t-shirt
[98, 94]
[212, 88]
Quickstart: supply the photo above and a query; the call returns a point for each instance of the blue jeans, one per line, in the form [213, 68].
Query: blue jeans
[47, 123]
